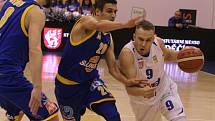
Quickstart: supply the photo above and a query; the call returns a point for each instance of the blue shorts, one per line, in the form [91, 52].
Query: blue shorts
[74, 99]
[15, 94]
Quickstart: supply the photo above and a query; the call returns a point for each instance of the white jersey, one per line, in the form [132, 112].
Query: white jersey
[151, 68]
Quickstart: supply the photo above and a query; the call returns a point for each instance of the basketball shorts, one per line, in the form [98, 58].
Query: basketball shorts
[169, 105]
[74, 99]
[15, 94]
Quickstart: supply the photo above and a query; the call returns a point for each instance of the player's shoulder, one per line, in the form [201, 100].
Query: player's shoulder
[128, 48]
[125, 53]
[35, 12]
[159, 40]
[83, 22]
[125, 50]
[126, 57]
[84, 19]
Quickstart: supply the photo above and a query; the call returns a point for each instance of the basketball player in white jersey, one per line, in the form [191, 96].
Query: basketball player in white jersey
[144, 59]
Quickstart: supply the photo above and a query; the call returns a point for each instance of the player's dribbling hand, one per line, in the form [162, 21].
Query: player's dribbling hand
[35, 101]
[148, 91]
[143, 88]
[135, 82]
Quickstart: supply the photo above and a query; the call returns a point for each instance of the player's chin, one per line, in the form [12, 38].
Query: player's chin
[111, 19]
[144, 52]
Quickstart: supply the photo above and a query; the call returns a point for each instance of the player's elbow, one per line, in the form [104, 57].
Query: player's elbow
[100, 27]
[112, 71]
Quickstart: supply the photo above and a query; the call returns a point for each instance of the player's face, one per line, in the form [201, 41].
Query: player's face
[108, 12]
[143, 40]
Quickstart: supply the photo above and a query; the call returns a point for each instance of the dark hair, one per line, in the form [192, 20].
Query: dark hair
[90, 3]
[99, 4]
[146, 25]
[48, 4]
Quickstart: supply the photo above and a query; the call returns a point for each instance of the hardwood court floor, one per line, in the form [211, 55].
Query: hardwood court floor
[197, 91]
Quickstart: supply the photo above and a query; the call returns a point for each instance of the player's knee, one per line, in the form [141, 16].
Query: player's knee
[182, 118]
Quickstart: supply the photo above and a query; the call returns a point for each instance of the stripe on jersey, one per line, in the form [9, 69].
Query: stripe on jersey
[23, 19]
[66, 81]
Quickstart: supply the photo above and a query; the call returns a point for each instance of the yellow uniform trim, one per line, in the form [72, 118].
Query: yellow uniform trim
[51, 117]
[6, 15]
[23, 19]
[100, 101]
[66, 81]
[83, 40]
[16, 118]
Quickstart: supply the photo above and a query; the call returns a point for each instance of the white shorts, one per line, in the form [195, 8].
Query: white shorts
[169, 105]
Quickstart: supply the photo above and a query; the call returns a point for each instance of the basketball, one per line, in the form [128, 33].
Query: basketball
[190, 59]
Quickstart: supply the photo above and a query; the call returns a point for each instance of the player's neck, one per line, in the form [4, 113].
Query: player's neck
[97, 18]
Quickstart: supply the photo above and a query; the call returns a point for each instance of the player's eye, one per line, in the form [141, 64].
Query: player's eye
[109, 11]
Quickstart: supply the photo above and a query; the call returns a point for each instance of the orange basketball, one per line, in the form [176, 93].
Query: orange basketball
[190, 59]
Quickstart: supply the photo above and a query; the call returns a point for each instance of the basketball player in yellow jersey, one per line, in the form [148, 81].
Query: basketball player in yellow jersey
[21, 24]
[89, 41]
[144, 59]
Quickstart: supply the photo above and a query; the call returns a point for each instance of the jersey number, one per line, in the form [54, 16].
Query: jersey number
[6, 15]
[102, 48]
[169, 105]
[103, 90]
[149, 73]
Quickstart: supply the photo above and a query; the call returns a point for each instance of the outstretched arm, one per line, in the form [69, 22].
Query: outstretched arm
[90, 23]
[114, 69]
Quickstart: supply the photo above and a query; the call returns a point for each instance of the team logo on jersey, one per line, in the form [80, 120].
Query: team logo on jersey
[91, 64]
[67, 112]
[154, 58]
[51, 107]
[52, 37]
[10, 117]
[17, 3]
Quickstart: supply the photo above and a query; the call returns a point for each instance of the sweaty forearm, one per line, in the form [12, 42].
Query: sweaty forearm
[36, 68]
[117, 74]
[106, 26]
[135, 91]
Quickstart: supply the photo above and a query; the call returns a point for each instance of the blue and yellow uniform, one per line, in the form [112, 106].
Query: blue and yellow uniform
[77, 83]
[15, 89]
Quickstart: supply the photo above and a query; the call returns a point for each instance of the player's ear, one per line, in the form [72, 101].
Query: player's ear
[134, 35]
[97, 12]
[153, 38]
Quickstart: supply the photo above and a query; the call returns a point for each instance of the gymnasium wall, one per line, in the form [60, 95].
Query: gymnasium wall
[213, 21]
[159, 11]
